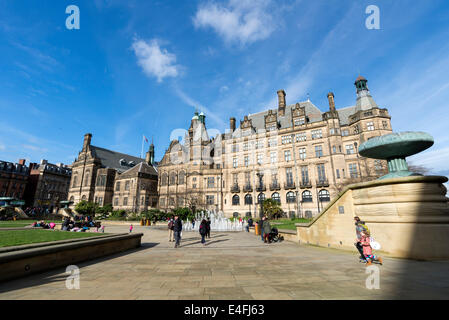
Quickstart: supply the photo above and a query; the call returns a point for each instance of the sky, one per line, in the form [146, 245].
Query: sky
[137, 68]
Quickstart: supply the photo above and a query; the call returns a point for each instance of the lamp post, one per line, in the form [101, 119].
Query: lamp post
[260, 176]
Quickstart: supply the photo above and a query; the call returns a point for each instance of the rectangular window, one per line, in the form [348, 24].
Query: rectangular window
[318, 151]
[272, 142]
[353, 170]
[302, 153]
[248, 178]
[117, 186]
[370, 126]
[289, 176]
[385, 124]
[116, 202]
[331, 131]
[246, 161]
[317, 134]
[349, 149]
[287, 155]
[259, 144]
[245, 146]
[127, 185]
[300, 121]
[260, 158]
[321, 172]
[235, 178]
[305, 174]
[235, 148]
[273, 157]
[125, 201]
[286, 139]
[210, 182]
[301, 137]
[345, 133]
[210, 200]
[235, 162]
[271, 127]
[338, 174]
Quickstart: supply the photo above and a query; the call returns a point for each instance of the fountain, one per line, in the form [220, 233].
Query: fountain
[218, 222]
[394, 148]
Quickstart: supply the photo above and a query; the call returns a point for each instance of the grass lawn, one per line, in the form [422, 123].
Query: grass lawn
[22, 223]
[18, 237]
[288, 223]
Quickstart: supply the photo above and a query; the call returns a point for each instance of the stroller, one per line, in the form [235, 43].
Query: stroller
[274, 236]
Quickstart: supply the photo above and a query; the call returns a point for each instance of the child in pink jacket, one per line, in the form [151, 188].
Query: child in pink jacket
[367, 250]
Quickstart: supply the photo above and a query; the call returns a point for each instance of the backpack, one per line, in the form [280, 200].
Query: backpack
[202, 230]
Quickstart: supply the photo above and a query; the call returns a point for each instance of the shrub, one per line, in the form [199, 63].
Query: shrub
[86, 208]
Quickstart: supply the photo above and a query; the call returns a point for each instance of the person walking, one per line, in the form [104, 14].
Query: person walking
[260, 223]
[208, 227]
[359, 229]
[131, 228]
[203, 231]
[177, 229]
[193, 223]
[266, 231]
[171, 226]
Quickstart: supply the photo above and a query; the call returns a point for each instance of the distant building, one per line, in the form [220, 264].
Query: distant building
[13, 179]
[48, 185]
[108, 177]
[294, 154]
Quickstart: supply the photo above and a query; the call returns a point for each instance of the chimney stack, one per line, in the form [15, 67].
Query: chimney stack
[232, 124]
[281, 99]
[22, 162]
[330, 97]
[87, 139]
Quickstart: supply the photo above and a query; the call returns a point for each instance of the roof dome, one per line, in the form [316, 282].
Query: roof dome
[359, 78]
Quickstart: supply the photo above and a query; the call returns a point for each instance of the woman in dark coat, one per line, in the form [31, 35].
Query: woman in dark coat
[203, 231]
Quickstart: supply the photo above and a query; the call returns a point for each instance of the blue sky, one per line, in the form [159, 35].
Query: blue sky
[142, 67]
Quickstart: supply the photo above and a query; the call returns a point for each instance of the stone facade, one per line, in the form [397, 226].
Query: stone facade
[13, 179]
[48, 184]
[294, 154]
[108, 177]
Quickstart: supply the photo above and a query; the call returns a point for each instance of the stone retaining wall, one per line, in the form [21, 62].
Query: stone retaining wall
[46, 256]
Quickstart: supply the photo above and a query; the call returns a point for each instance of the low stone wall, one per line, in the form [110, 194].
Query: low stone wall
[34, 258]
[408, 216]
[289, 235]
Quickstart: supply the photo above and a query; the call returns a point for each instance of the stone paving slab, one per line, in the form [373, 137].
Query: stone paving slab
[232, 266]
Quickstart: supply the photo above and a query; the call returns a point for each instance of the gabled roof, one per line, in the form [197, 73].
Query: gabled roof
[111, 159]
[142, 167]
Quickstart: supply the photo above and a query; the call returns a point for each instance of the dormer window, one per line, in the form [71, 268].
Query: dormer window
[300, 121]
[123, 162]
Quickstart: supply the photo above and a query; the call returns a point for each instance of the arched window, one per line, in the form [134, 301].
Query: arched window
[164, 179]
[235, 200]
[261, 197]
[248, 199]
[276, 197]
[181, 177]
[236, 215]
[291, 197]
[75, 181]
[324, 195]
[248, 214]
[307, 196]
[87, 178]
[83, 198]
[172, 178]
[72, 198]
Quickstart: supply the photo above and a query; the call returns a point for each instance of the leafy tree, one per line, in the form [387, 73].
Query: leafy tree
[272, 209]
[105, 209]
[183, 213]
[86, 208]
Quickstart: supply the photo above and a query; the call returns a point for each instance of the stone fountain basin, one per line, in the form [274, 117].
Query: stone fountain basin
[396, 145]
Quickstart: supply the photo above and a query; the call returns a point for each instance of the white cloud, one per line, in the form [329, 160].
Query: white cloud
[224, 89]
[241, 21]
[155, 61]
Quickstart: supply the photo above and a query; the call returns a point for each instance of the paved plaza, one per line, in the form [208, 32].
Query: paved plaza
[232, 266]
